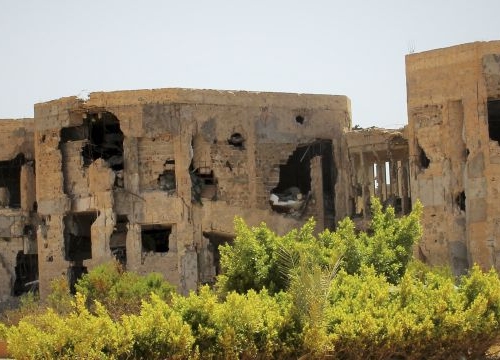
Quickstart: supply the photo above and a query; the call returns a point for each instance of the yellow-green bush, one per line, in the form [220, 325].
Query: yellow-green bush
[340, 295]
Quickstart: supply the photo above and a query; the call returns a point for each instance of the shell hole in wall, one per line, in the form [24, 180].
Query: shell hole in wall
[460, 201]
[424, 161]
[293, 190]
[299, 119]
[236, 140]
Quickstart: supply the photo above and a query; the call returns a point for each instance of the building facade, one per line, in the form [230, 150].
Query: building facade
[454, 133]
[154, 178]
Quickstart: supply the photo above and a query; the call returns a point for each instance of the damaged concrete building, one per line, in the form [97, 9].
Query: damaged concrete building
[454, 134]
[154, 178]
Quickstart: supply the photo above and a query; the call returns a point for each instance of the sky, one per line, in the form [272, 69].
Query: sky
[55, 48]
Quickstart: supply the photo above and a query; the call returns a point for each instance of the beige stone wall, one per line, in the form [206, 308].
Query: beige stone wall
[17, 138]
[186, 132]
[448, 90]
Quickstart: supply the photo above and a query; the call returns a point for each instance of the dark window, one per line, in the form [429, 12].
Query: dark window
[77, 238]
[118, 239]
[494, 119]
[10, 182]
[155, 238]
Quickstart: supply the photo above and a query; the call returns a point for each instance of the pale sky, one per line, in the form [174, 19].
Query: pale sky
[55, 48]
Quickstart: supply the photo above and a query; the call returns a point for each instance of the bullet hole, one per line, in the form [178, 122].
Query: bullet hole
[229, 166]
[299, 119]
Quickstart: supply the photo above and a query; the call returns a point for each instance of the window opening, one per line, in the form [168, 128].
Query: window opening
[155, 238]
[10, 182]
[77, 236]
[118, 240]
[26, 273]
[494, 119]
[215, 241]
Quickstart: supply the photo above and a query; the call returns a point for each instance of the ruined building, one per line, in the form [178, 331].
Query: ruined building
[154, 178]
[453, 135]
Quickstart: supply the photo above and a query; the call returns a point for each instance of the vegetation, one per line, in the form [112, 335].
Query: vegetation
[341, 295]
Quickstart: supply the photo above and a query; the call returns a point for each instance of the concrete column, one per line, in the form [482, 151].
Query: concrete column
[382, 186]
[405, 200]
[393, 172]
[27, 187]
[317, 190]
[365, 185]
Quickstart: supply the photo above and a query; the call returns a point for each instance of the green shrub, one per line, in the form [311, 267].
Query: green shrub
[425, 317]
[121, 291]
[249, 325]
[158, 332]
[80, 334]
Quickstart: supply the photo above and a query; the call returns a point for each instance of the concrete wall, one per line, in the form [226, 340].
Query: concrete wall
[454, 167]
[234, 144]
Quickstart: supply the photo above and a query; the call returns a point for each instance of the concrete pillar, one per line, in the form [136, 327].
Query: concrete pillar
[317, 190]
[405, 199]
[393, 172]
